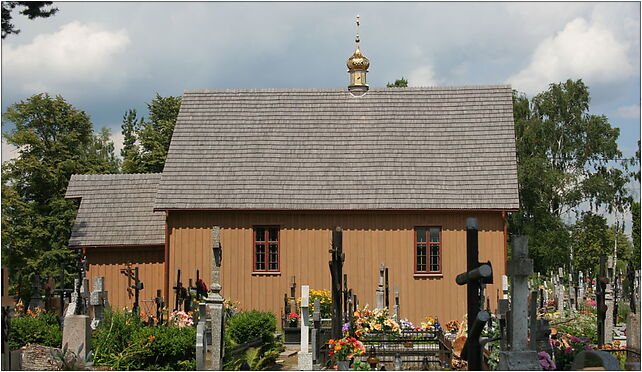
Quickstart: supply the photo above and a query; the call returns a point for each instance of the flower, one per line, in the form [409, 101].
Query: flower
[568, 350]
[546, 361]
[151, 338]
[293, 316]
[345, 328]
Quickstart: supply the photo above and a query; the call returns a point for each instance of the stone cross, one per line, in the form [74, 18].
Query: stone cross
[214, 302]
[580, 278]
[316, 330]
[98, 301]
[608, 301]
[380, 290]
[305, 356]
[519, 268]
[396, 307]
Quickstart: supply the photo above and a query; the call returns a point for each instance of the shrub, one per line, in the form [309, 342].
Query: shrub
[113, 335]
[582, 325]
[159, 348]
[40, 328]
[243, 327]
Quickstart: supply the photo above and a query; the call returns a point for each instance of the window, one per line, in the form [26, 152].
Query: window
[428, 250]
[266, 248]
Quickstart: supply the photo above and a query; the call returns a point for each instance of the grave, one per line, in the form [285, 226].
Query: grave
[214, 303]
[76, 334]
[519, 267]
[98, 301]
[305, 356]
[633, 339]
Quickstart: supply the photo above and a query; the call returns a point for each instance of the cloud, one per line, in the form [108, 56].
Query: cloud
[581, 50]
[423, 76]
[628, 112]
[75, 53]
[117, 138]
[8, 151]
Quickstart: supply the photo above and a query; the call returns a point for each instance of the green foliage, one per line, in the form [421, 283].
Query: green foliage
[591, 240]
[399, 83]
[42, 329]
[54, 141]
[31, 9]
[246, 326]
[564, 155]
[123, 342]
[146, 141]
[70, 361]
[114, 335]
[583, 324]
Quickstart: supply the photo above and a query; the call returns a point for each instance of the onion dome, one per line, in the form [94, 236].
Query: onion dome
[358, 61]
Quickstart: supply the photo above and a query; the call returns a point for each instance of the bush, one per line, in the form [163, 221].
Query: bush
[582, 325]
[159, 348]
[114, 335]
[40, 328]
[246, 326]
[123, 342]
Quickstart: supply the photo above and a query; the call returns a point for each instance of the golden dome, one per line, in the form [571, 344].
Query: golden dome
[358, 61]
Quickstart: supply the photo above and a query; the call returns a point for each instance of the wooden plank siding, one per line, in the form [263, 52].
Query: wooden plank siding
[369, 238]
[108, 261]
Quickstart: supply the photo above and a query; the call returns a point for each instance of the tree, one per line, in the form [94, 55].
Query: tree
[54, 141]
[400, 83]
[146, 142]
[32, 9]
[130, 151]
[591, 239]
[635, 233]
[564, 156]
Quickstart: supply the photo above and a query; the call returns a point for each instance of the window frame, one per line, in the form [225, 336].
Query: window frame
[427, 245]
[266, 250]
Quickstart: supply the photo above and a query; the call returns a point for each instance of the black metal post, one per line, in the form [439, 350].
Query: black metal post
[336, 270]
[602, 280]
[473, 356]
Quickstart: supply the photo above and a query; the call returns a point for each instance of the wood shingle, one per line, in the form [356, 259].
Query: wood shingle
[116, 209]
[393, 148]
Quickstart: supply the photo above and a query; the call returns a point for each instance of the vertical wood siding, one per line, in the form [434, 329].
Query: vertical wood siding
[108, 262]
[369, 239]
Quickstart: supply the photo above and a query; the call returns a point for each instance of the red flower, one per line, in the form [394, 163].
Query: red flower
[293, 316]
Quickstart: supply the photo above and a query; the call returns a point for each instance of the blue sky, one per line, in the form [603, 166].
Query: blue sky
[105, 58]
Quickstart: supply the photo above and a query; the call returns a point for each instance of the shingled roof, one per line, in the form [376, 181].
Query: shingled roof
[116, 209]
[408, 148]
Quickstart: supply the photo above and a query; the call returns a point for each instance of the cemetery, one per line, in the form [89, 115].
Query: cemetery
[557, 322]
[321, 250]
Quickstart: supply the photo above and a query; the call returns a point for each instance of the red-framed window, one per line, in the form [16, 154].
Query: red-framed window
[266, 248]
[428, 250]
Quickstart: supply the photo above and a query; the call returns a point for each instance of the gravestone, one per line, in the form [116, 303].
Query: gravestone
[608, 301]
[582, 286]
[633, 339]
[214, 302]
[380, 290]
[305, 356]
[76, 334]
[98, 301]
[504, 287]
[316, 334]
[201, 339]
[519, 268]
[396, 307]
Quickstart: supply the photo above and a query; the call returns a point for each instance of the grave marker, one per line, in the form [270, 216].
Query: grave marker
[519, 268]
[336, 272]
[214, 302]
[98, 301]
[305, 356]
[380, 291]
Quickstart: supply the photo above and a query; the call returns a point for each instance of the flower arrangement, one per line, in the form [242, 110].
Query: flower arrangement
[181, 319]
[406, 324]
[546, 361]
[293, 319]
[453, 326]
[430, 324]
[567, 347]
[325, 300]
[377, 320]
[345, 348]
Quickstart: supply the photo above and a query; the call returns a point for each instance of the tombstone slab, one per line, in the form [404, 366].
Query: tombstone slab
[77, 333]
[633, 337]
[518, 360]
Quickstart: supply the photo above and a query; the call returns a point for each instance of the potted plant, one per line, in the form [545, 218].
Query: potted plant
[293, 319]
[343, 350]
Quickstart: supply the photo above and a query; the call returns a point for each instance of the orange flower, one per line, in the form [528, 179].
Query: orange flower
[142, 313]
[151, 338]
[337, 347]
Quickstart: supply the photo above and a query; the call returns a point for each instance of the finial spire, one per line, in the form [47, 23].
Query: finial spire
[358, 67]
[357, 39]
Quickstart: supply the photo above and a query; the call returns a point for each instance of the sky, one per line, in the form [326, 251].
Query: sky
[108, 57]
